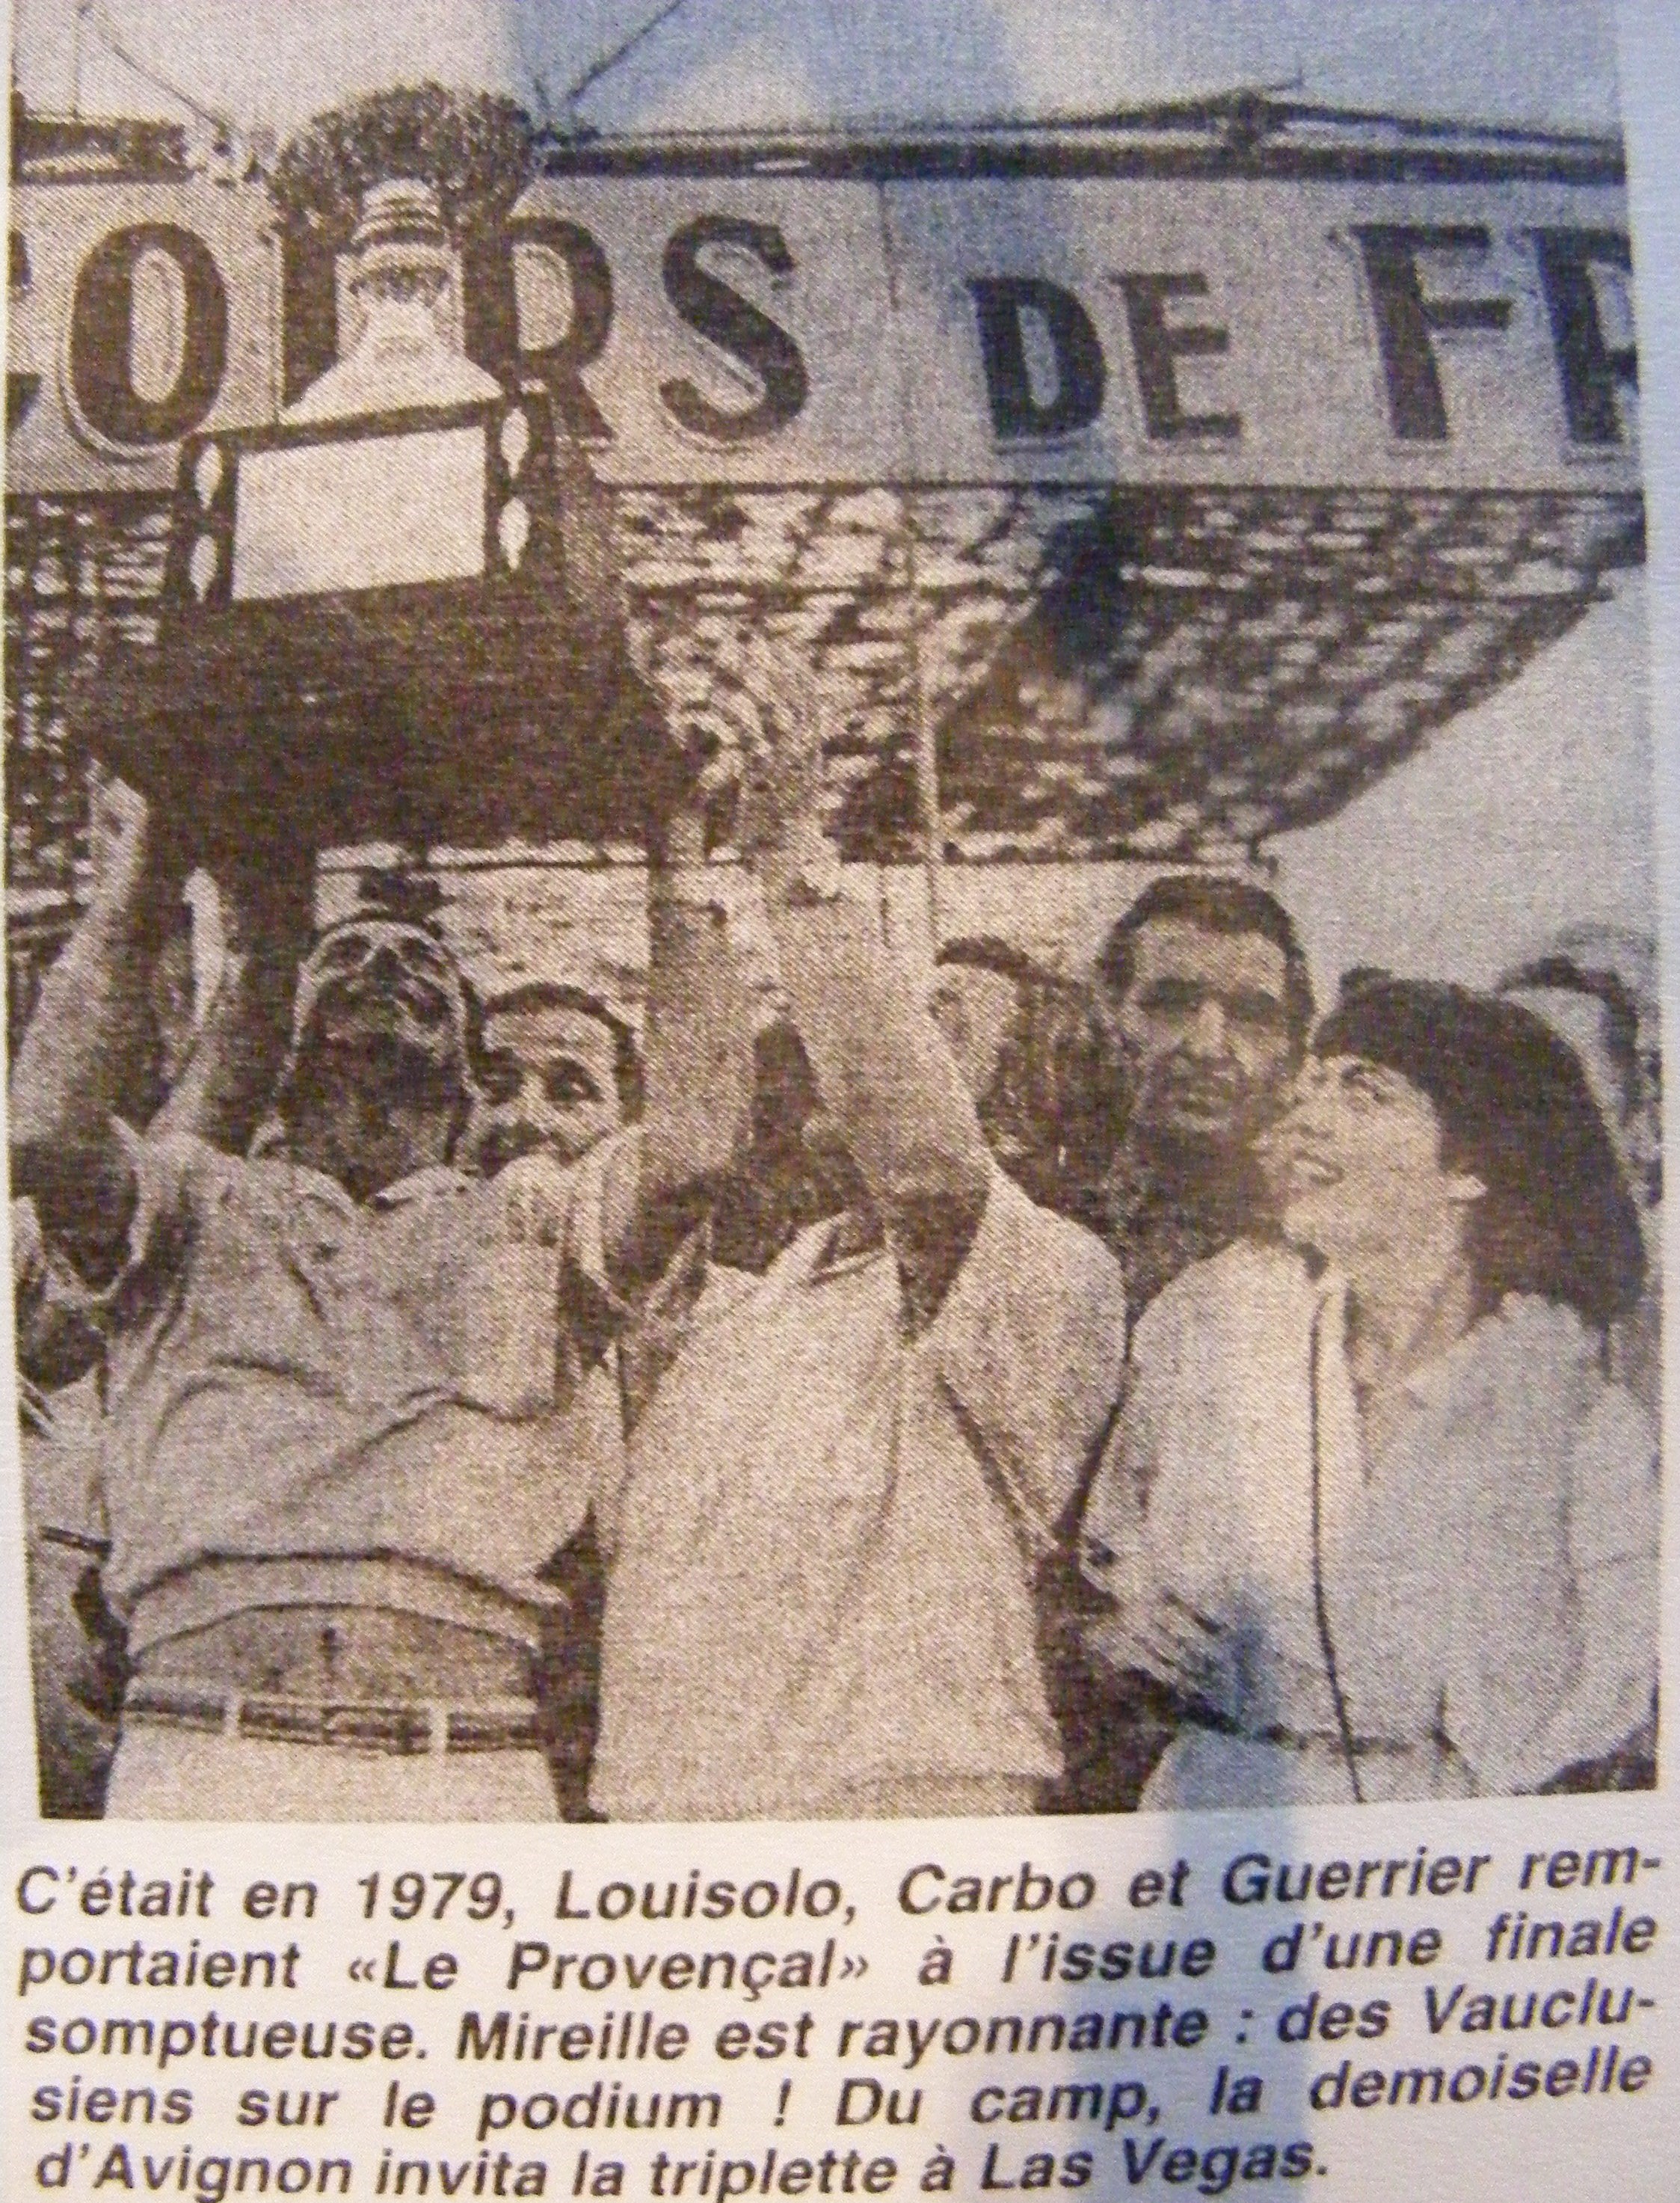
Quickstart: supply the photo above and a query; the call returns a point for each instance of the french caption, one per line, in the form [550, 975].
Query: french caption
[888, 2018]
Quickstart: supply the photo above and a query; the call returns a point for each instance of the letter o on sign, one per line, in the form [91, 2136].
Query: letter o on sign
[102, 339]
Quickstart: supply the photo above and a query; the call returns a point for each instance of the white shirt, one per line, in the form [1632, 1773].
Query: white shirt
[306, 1383]
[821, 1594]
[1490, 1577]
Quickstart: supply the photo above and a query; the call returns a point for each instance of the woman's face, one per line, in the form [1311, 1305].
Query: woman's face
[1355, 1167]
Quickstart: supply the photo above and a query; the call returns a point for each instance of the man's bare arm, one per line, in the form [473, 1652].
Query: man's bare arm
[698, 1063]
[885, 1071]
[78, 1052]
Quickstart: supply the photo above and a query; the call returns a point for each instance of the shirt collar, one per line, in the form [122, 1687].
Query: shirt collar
[853, 1242]
[420, 1185]
[423, 1185]
[1430, 1382]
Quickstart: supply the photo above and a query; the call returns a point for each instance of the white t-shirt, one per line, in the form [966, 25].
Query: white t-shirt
[303, 1383]
[821, 1594]
[1489, 1573]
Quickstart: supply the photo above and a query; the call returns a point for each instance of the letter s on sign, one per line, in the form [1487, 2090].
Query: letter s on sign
[104, 399]
[735, 326]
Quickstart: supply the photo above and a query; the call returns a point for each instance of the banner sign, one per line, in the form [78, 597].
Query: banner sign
[1470, 333]
[1140, 330]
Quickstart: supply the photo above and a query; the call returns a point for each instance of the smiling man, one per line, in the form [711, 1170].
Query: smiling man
[555, 1071]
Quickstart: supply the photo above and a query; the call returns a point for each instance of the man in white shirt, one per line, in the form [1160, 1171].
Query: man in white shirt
[355, 1398]
[819, 1598]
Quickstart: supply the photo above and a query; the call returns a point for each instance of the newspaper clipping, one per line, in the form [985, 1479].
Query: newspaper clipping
[834, 1019]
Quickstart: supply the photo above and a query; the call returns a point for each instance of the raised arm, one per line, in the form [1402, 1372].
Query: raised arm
[226, 1088]
[698, 1041]
[79, 1052]
[885, 1072]
[696, 1053]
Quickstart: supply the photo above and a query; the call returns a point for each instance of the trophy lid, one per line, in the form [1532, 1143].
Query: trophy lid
[401, 263]
[399, 228]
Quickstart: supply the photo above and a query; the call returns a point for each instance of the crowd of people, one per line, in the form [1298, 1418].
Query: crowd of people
[1045, 1396]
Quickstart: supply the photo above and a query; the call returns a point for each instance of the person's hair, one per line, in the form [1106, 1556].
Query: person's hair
[554, 994]
[990, 951]
[1218, 905]
[1562, 974]
[1514, 1109]
[780, 1185]
[300, 1089]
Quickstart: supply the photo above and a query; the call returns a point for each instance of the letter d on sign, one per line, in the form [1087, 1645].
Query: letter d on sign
[1002, 304]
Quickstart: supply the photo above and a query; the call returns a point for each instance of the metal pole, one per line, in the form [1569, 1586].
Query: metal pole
[927, 748]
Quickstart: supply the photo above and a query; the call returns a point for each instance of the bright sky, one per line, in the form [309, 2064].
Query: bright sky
[731, 61]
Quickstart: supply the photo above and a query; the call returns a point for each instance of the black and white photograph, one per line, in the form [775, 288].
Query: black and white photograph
[832, 927]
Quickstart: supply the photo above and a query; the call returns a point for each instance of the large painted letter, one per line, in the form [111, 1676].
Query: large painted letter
[734, 325]
[103, 335]
[1405, 317]
[1001, 303]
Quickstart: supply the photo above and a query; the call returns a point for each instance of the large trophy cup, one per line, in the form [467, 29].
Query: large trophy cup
[389, 618]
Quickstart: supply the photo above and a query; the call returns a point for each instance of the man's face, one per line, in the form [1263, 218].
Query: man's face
[974, 1008]
[382, 1072]
[1204, 1028]
[548, 1083]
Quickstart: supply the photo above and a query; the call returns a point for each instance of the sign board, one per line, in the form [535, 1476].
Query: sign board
[1015, 324]
[1143, 330]
[1133, 500]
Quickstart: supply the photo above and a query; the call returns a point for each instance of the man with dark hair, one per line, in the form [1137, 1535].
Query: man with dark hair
[1203, 992]
[1203, 996]
[554, 1069]
[819, 1594]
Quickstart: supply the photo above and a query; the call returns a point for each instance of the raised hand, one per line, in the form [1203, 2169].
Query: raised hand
[751, 721]
[118, 822]
[536, 1194]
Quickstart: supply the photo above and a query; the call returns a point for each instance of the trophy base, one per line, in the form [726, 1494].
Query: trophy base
[431, 715]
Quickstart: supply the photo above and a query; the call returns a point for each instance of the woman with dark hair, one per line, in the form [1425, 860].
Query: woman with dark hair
[1374, 1517]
